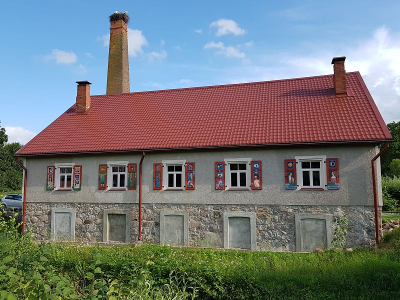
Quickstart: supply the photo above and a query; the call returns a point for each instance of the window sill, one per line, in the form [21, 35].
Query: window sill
[62, 190]
[173, 190]
[312, 189]
[233, 189]
[112, 190]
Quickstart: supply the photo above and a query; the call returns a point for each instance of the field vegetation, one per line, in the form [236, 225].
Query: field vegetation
[31, 270]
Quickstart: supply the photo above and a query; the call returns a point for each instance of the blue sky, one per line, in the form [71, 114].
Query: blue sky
[47, 46]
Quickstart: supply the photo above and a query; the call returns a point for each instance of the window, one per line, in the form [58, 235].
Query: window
[174, 174]
[117, 175]
[63, 176]
[238, 173]
[311, 172]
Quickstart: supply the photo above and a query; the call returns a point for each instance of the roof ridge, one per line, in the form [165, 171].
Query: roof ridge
[221, 85]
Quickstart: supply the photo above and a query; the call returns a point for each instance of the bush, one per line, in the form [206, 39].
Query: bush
[391, 192]
[389, 204]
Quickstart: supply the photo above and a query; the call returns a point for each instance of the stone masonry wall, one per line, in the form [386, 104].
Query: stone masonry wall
[275, 225]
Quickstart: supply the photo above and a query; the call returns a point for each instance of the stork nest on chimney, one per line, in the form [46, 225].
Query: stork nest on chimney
[119, 16]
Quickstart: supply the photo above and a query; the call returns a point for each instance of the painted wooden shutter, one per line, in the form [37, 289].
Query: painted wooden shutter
[290, 174]
[220, 176]
[50, 178]
[157, 176]
[332, 173]
[77, 177]
[102, 177]
[132, 176]
[256, 175]
[190, 176]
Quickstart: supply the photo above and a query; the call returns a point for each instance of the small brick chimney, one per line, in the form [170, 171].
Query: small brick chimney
[118, 62]
[339, 75]
[83, 96]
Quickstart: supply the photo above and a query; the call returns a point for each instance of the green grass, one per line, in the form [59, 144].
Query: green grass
[30, 270]
[394, 216]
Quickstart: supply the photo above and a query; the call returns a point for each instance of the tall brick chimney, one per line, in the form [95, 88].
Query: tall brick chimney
[83, 96]
[339, 75]
[118, 63]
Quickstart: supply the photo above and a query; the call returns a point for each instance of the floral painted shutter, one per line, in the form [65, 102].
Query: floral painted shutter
[332, 173]
[157, 176]
[189, 176]
[50, 178]
[132, 176]
[76, 186]
[220, 176]
[290, 174]
[102, 177]
[256, 175]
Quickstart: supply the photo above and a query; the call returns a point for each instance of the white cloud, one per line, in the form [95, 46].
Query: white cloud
[185, 81]
[226, 51]
[157, 55]
[80, 70]
[227, 26]
[136, 40]
[177, 48]
[18, 135]
[162, 43]
[89, 55]
[199, 31]
[61, 56]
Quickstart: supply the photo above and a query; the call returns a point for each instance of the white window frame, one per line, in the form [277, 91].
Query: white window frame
[228, 172]
[322, 169]
[167, 163]
[57, 175]
[110, 173]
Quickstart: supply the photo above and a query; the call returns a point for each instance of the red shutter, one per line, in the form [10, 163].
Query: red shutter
[76, 185]
[189, 176]
[332, 173]
[50, 178]
[256, 175]
[157, 176]
[132, 176]
[290, 174]
[219, 176]
[102, 177]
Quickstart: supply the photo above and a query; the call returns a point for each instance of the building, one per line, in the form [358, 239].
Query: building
[264, 166]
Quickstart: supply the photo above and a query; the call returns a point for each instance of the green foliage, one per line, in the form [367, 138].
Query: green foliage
[340, 232]
[390, 192]
[10, 171]
[394, 149]
[394, 167]
[57, 271]
[389, 204]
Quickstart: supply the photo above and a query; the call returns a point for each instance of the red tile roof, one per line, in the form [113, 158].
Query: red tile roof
[292, 111]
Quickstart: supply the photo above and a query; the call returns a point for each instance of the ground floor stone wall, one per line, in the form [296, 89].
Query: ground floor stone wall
[275, 226]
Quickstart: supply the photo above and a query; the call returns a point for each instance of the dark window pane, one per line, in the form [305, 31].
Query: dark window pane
[305, 164]
[69, 180]
[122, 180]
[179, 180]
[315, 164]
[62, 181]
[115, 169]
[234, 181]
[62, 170]
[242, 166]
[178, 168]
[122, 169]
[170, 180]
[306, 178]
[115, 180]
[316, 181]
[233, 166]
[69, 170]
[242, 179]
[170, 168]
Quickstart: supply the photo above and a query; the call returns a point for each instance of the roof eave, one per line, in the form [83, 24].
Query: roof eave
[203, 148]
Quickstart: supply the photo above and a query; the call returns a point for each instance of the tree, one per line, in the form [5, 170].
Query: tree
[394, 149]
[10, 171]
